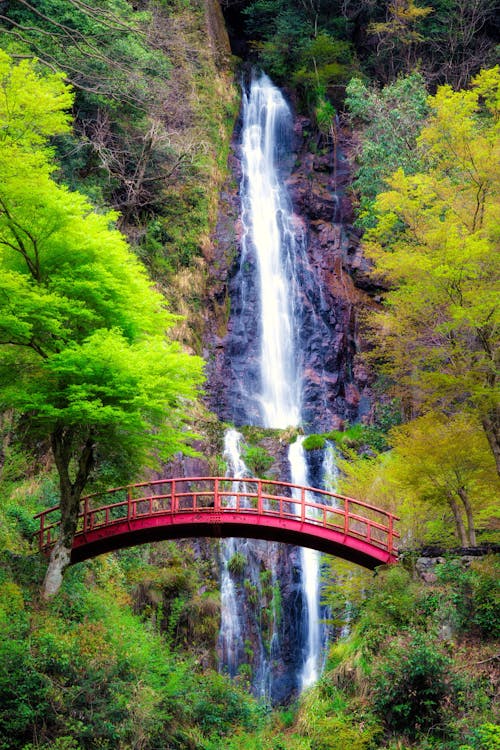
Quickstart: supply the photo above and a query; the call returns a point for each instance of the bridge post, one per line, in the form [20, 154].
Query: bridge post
[173, 498]
[390, 535]
[42, 530]
[259, 497]
[85, 514]
[217, 504]
[346, 515]
[129, 503]
[303, 504]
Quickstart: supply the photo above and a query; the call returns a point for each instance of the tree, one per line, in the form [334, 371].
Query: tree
[435, 245]
[439, 462]
[83, 351]
[389, 120]
[399, 35]
[459, 40]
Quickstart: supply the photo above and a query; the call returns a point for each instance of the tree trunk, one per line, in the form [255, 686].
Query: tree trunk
[491, 426]
[62, 441]
[459, 523]
[470, 518]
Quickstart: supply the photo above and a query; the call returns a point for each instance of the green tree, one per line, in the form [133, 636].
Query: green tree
[84, 355]
[399, 35]
[435, 246]
[389, 121]
[440, 462]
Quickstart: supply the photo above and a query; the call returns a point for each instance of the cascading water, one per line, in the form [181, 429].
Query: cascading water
[269, 232]
[230, 636]
[310, 576]
[270, 395]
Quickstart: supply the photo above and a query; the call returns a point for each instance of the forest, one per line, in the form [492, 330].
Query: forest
[118, 128]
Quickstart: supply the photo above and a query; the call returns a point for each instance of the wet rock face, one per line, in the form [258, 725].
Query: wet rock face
[334, 282]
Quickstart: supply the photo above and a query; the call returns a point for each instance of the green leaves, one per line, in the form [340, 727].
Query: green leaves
[31, 109]
[435, 245]
[390, 120]
[83, 331]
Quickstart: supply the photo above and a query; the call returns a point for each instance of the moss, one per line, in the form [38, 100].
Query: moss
[314, 442]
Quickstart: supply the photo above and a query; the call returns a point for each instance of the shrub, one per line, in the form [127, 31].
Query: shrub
[411, 686]
[314, 442]
[258, 460]
[485, 580]
[472, 594]
[236, 564]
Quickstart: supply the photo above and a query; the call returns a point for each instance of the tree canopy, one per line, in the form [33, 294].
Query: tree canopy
[435, 244]
[84, 354]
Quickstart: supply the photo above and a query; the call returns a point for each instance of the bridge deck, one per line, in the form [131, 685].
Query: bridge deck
[225, 507]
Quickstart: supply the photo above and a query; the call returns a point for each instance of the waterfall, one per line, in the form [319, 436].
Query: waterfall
[270, 389]
[232, 642]
[269, 232]
[330, 469]
[310, 577]
[231, 630]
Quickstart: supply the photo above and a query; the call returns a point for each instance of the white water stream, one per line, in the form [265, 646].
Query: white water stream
[270, 238]
[269, 232]
[310, 575]
[231, 632]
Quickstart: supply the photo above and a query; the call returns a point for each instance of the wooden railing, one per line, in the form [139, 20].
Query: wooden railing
[220, 496]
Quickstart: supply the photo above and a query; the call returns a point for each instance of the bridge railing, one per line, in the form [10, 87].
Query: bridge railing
[224, 495]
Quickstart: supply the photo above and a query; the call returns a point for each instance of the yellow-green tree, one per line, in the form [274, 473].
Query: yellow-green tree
[435, 245]
[84, 355]
[443, 465]
[439, 476]
[399, 35]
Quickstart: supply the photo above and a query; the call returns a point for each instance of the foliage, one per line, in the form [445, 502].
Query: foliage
[311, 42]
[236, 564]
[258, 460]
[438, 476]
[446, 462]
[333, 726]
[389, 120]
[434, 245]
[79, 315]
[84, 351]
[86, 672]
[412, 685]
[313, 442]
[471, 595]
[154, 111]
[398, 663]
[398, 35]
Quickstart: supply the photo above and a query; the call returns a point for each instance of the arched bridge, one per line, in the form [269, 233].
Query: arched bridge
[228, 507]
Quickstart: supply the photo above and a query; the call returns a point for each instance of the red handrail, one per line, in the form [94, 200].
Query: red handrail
[262, 497]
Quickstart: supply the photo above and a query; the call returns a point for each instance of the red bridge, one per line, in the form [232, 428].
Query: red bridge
[226, 507]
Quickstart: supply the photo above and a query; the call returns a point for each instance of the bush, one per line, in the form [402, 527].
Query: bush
[485, 737]
[485, 580]
[472, 597]
[411, 686]
[314, 442]
[258, 460]
[236, 564]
